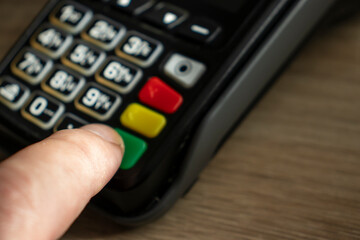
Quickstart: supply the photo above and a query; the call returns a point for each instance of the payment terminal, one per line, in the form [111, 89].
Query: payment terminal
[171, 77]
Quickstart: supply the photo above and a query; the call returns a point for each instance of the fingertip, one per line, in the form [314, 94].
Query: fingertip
[107, 133]
[57, 176]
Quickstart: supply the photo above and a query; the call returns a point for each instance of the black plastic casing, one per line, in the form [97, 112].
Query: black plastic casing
[260, 45]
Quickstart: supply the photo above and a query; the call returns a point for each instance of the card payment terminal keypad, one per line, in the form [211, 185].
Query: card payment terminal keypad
[80, 67]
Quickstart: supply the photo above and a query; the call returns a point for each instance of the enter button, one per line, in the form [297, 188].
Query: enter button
[134, 149]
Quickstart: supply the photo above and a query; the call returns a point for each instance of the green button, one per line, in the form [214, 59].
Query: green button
[134, 149]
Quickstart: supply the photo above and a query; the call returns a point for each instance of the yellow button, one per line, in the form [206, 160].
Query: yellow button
[143, 120]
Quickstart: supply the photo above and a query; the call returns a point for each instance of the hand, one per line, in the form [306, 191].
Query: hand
[44, 187]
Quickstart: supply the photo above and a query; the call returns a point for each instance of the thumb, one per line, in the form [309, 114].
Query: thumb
[44, 187]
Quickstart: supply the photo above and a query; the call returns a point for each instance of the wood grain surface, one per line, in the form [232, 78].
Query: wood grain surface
[291, 170]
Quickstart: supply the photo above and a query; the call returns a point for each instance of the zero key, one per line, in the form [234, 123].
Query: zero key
[43, 110]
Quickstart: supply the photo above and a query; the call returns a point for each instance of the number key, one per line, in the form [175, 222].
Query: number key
[43, 110]
[84, 58]
[31, 66]
[63, 84]
[140, 49]
[98, 102]
[51, 41]
[104, 33]
[72, 17]
[119, 75]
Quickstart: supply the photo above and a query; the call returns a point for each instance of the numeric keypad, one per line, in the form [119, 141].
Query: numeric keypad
[80, 66]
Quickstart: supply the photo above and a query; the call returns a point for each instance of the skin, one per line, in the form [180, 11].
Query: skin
[44, 187]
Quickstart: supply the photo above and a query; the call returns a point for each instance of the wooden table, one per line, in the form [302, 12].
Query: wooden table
[291, 170]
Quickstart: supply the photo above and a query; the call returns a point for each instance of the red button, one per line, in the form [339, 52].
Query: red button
[160, 96]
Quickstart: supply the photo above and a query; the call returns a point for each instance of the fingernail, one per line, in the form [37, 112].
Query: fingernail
[107, 133]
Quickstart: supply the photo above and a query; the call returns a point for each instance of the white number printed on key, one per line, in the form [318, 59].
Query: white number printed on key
[118, 73]
[103, 31]
[91, 97]
[137, 47]
[68, 13]
[38, 106]
[96, 99]
[31, 64]
[83, 55]
[62, 81]
[50, 38]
